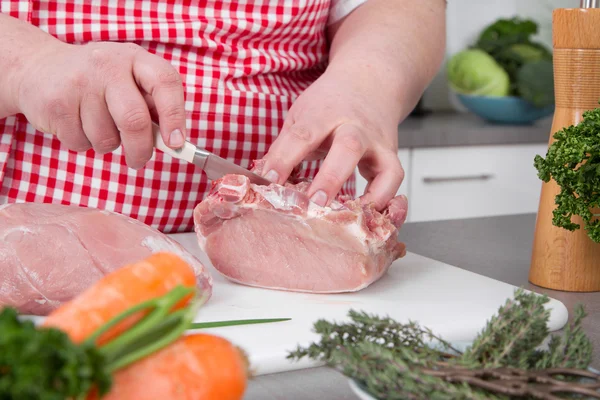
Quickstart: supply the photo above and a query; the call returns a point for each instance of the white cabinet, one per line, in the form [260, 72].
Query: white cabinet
[466, 182]
[404, 156]
[469, 181]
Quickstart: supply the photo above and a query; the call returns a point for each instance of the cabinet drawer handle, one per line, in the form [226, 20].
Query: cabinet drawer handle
[482, 177]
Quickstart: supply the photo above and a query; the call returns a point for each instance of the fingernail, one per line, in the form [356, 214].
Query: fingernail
[319, 198]
[272, 176]
[176, 138]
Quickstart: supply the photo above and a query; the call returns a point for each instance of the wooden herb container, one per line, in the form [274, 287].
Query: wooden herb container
[564, 260]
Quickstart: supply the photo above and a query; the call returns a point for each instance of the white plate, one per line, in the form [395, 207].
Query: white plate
[362, 395]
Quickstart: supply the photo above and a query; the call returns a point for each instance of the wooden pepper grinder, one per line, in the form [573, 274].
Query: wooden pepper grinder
[563, 260]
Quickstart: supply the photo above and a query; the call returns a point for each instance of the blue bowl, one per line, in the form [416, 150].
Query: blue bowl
[504, 110]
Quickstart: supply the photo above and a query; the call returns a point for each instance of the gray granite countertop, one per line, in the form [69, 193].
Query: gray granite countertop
[497, 247]
[466, 129]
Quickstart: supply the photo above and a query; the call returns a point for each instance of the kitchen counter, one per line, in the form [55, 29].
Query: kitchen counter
[466, 129]
[497, 247]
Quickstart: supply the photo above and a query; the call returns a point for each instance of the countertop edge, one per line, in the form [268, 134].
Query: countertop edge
[450, 129]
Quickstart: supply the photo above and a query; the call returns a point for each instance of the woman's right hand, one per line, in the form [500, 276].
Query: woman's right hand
[102, 95]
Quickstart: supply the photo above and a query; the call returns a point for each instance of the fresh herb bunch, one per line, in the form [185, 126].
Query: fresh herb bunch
[573, 161]
[527, 62]
[394, 361]
[44, 363]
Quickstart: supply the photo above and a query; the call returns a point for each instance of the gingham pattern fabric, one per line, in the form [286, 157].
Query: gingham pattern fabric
[243, 63]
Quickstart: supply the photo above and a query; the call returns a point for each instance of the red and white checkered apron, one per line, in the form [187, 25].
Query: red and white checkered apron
[243, 63]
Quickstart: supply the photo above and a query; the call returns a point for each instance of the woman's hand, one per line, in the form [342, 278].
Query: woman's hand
[382, 57]
[338, 119]
[101, 95]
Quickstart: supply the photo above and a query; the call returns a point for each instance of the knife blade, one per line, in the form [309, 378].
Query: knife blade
[214, 167]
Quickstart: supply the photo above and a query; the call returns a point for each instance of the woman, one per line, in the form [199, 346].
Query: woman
[324, 82]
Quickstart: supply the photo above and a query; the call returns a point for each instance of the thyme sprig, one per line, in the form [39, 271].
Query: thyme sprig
[393, 360]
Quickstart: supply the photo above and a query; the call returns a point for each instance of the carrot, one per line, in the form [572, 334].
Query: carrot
[129, 286]
[195, 366]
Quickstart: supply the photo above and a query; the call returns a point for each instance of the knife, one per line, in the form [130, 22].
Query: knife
[214, 166]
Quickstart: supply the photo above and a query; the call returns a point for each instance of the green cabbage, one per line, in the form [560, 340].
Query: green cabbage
[475, 72]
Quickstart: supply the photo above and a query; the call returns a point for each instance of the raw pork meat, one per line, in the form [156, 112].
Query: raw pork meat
[50, 253]
[274, 237]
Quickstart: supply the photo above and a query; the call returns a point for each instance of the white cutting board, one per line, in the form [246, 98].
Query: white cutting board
[454, 303]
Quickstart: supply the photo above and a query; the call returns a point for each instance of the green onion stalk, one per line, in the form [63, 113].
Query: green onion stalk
[157, 329]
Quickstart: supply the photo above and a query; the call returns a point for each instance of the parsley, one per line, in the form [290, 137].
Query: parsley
[573, 161]
[44, 363]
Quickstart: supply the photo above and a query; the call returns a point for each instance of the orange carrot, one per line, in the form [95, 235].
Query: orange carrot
[117, 292]
[194, 367]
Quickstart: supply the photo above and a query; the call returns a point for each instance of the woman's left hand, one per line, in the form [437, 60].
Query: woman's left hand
[381, 58]
[340, 118]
